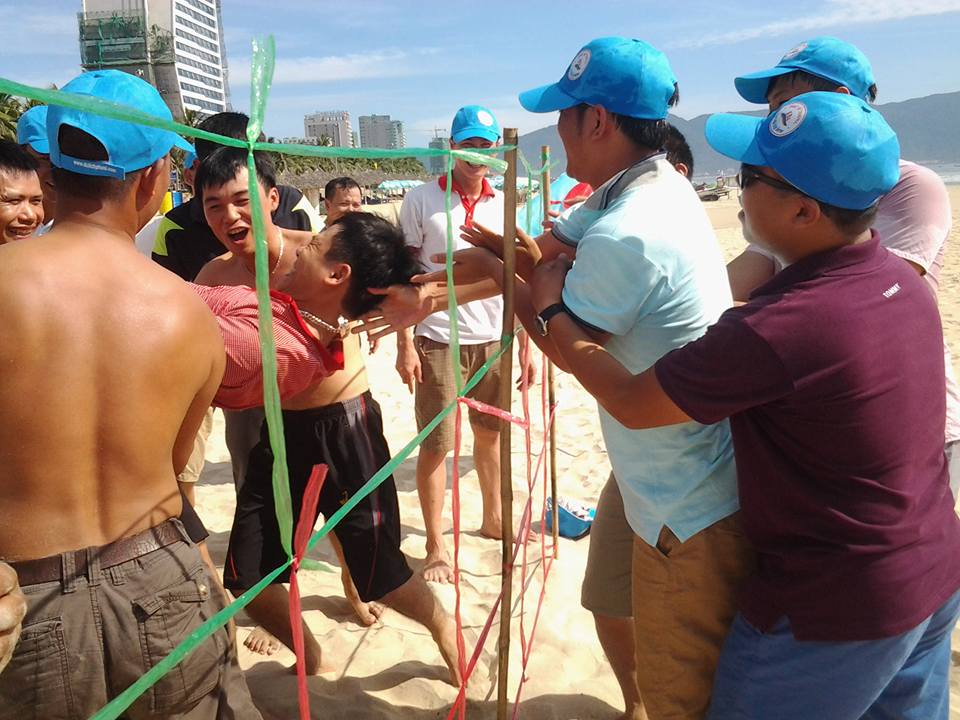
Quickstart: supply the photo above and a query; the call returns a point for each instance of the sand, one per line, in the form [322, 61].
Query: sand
[393, 670]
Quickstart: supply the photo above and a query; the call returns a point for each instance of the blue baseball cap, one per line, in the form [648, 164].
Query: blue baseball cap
[830, 146]
[627, 77]
[474, 121]
[32, 129]
[130, 147]
[189, 159]
[826, 57]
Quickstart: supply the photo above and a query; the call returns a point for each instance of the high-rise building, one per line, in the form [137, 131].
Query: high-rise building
[176, 45]
[334, 124]
[379, 131]
[437, 165]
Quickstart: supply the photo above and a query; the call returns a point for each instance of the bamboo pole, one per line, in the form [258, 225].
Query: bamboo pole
[551, 382]
[506, 390]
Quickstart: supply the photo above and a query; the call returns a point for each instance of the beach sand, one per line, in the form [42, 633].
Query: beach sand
[393, 670]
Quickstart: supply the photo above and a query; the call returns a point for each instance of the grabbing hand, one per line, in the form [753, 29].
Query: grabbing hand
[13, 608]
[470, 266]
[403, 306]
[527, 251]
[546, 287]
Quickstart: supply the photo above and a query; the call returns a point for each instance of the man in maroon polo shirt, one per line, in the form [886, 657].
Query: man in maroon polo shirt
[833, 381]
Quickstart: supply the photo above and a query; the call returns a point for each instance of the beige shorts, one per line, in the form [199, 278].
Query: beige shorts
[439, 389]
[191, 472]
[684, 600]
[607, 581]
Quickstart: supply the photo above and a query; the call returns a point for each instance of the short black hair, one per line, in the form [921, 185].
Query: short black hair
[229, 124]
[15, 160]
[340, 183]
[223, 164]
[647, 134]
[84, 146]
[378, 257]
[817, 83]
[677, 149]
[850, 222]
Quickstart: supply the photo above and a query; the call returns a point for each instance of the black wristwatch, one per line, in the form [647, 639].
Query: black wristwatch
[543, 318]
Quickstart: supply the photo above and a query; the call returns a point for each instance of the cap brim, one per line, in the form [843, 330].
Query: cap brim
[736, 137]
[754, 87]
[477, 131]
[183, 144]
[40, 145]
[547, 98]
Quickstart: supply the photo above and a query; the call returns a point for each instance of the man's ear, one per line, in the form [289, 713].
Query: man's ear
[153, 180]
[603, 122]
[683, 169]
[339, 275]
[273, 199]
[808, 211]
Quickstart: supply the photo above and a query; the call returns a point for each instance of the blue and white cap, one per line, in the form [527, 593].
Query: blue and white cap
[130, 147]
[627, 77]
[825, 57]
[474, 121]
[32, 129]
[831, 146]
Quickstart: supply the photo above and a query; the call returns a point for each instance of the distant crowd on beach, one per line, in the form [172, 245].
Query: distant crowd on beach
[777, 538]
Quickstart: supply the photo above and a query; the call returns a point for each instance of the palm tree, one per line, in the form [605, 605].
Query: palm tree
[11, 108]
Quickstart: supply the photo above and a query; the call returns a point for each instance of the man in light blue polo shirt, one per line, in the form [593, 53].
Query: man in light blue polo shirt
[648, 278]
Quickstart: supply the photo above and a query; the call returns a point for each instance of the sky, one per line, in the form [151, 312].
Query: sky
[420, 60]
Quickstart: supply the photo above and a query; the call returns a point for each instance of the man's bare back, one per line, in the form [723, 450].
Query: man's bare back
[96, 430]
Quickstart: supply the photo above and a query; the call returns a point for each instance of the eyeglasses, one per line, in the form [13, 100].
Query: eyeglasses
[748, 174]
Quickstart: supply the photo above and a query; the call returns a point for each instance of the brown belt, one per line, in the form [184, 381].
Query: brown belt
[48, 569]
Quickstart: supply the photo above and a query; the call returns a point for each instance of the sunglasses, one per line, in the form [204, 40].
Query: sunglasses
[748, 174]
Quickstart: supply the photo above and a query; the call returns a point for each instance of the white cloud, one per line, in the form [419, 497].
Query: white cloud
[836, 13]
[335, 68]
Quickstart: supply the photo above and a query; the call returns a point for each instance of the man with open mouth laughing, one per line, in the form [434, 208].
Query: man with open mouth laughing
[21, 198]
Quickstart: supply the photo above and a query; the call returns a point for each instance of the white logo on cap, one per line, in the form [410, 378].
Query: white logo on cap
[485, 118]
[787, 119]
[579, 64]
[793, 52]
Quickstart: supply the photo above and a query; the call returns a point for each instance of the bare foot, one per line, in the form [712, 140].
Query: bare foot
[261, 642]
[496, 533]
[314, 666]
[436, 568]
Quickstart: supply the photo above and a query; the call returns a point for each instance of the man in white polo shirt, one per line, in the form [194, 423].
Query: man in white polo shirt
[423, 357]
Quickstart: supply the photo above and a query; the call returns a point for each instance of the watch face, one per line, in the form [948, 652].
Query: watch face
[542, 326]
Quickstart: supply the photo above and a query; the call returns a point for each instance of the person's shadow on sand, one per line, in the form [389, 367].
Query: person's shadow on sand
[274, 690]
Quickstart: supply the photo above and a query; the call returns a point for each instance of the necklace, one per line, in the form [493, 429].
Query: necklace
[279, 256]
[339, 330]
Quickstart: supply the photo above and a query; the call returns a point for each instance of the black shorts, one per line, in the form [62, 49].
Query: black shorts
[348, 438]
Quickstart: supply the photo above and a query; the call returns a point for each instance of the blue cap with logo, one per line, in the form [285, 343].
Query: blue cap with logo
[627, 77]
[130, 147]
[831, 146]
[474, 121]
[32, 129]
[826, 57]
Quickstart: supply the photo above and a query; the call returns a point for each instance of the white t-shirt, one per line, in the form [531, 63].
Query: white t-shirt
[424, 223]
[913, 221]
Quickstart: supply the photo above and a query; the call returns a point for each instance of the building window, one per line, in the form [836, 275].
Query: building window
[202, 6]
[197, 28]
[209, 22]
[213, 95]
[202, 43]
[199, 78]
[198, 53]
[206, 105]
[199, 65]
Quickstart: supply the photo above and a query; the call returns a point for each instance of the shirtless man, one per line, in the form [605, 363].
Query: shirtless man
[222, 184]
[335, 422]
[108, 369]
